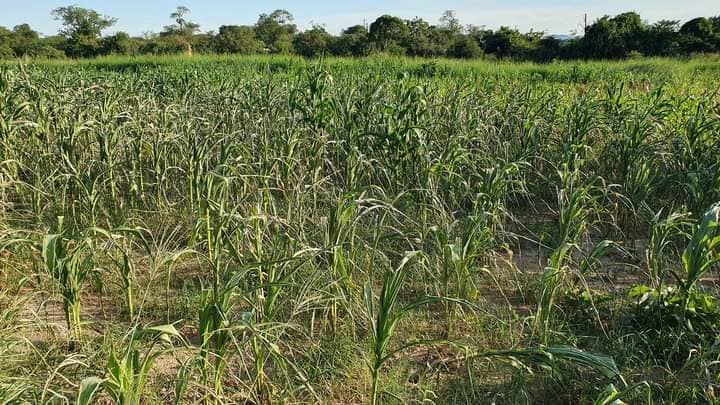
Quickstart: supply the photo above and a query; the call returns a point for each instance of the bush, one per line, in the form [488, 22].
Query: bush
[465, 48]
[396, 50]
[6, 52]
[45, 52]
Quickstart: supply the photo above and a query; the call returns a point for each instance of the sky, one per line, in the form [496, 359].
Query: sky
[551, 16]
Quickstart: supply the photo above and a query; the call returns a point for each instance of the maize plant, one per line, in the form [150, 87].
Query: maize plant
[128, 370]
[264, 205]
[68, 262]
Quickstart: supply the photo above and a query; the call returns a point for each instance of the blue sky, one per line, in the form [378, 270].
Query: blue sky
[551, 16]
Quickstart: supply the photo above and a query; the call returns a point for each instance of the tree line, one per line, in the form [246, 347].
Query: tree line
[609, 37]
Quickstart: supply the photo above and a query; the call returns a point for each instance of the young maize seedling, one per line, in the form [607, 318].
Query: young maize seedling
[127, 371]
[384, 318]
[701, 254]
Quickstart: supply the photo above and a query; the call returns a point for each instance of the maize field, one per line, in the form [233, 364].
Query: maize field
[225, 230]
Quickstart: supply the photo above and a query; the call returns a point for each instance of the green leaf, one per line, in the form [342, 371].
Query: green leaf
[168, 330]
[87, 390]
[599, 362]
[639, 291]
[50, 246]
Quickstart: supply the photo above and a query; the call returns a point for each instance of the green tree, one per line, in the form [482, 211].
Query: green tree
[548, 48]
[356, 30]
[661, 38]
[502, 42]
[698, 35]
[425, 40]
[479, 34]
[182, 25]
[236, 39]
[48, 48]
[25, 40]
[82, 29]
[465, 47]
[614, 37]
[716, 23]
[450, 22]
[6, 37]
[312, 43]
[630, 28]
[601, 40]
[511, 43]
[203, 42]
[181, 33]
[276, 31]
[387, 32]
[6, 52]
[120, 43]
[353, 41]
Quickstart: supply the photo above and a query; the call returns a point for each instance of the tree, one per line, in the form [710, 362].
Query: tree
[48, 48]
[387, 31]
[510, 43]
[355, 30]
[24, 40]
[183, 29]
[182, 26]
[548, 48]
[203, 42]
[697, 35]
[609, 37]
[465, 47]
[502, 42]
[450, 22]
[630, 28]
[82, 29]
[614, 37]
[425, 40]
[236, 39]
[661, 38]
[479, 34]
[120, 44]
[312, 43]
[6, 51]
[276, 31]
[601, 41]
[353, 41]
